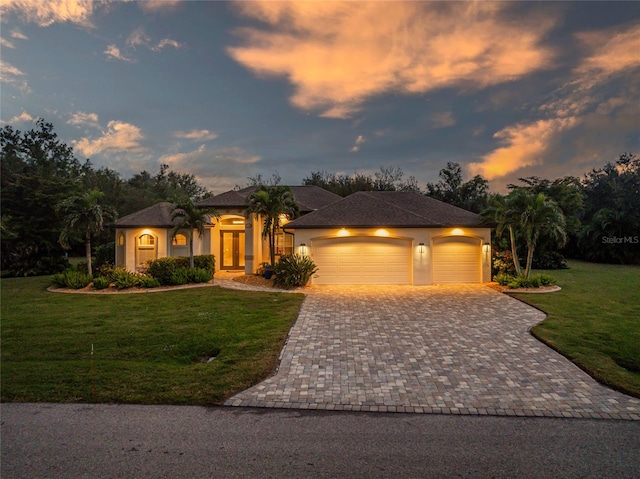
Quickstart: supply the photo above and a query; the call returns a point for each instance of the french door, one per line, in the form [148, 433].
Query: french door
[232, 250]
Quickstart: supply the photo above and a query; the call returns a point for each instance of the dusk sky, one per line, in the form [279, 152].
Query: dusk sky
[228, 90]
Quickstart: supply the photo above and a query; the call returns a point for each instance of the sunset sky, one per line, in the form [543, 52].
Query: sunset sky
[228, 90]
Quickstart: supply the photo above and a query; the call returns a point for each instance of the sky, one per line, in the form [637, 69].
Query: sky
[230, 90]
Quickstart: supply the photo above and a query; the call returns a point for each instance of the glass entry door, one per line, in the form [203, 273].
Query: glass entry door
[232, 249]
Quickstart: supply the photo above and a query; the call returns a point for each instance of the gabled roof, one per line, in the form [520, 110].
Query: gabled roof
[309, 198]
[158, 216]
[401, 209]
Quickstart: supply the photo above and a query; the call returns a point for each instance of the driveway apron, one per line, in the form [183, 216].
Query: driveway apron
[452, 349]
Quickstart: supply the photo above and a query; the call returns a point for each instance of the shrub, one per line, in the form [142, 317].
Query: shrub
[503, 262]
[163, 268]
[503, 279]
[179, 276]
[199, 275]
[71, 278]
[550, 260]
[534, 281]
[293, 270]
[123, 279]
[146, 281]
[101, 282]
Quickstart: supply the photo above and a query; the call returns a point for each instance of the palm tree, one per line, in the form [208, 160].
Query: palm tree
[272, 203]
[191, 217]
[504, 212]
[84, 215]
[541, 216]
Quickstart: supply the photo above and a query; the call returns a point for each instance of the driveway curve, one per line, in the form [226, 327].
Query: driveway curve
[454, 349]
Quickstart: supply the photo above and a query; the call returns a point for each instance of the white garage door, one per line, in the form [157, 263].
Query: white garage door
[361, 260]
[457, 260]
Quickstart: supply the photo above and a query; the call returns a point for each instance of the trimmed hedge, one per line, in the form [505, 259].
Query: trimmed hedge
[171, 271]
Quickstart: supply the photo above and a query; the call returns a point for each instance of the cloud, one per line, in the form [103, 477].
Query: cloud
[442, 120]
[84, 119]
[6, 43]
[13, 76]
[199, 135]
[155, 6]
[236, 155]
[613, 50]
[587, 112]
[113, 53]
[524, 145]
[22, 117]
[45, 13]
[140, 38]
[339, 54]
[17, 34]
[359, 141]
[119, 137]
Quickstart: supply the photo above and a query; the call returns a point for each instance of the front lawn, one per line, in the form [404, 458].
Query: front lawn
[595, 321]
[148, 348]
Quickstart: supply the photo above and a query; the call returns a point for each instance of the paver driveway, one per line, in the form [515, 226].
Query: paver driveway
[459, 349]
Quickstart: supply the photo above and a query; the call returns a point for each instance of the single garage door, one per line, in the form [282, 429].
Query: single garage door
[361, 260]
[457, 259]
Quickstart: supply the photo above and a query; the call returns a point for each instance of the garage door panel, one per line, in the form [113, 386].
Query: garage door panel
[362, 261]
[456, 260]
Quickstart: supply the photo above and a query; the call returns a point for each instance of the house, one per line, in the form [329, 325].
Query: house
[394, 237]
[376, 237]
[236, 241]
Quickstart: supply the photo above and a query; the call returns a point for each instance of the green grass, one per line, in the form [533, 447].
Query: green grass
[148, 348]
[595, 321]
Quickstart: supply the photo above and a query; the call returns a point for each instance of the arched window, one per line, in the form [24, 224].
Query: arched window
[146, 250]
[179, 240]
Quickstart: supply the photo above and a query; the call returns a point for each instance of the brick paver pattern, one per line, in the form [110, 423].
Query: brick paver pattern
[448, 349]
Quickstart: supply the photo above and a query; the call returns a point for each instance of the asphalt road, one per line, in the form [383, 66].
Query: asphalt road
[116, 441]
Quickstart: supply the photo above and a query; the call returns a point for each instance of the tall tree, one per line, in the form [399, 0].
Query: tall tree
[84, 216]
[612, 212]
[191, 218]
[471, 195]
[271, 203]
[38, 172]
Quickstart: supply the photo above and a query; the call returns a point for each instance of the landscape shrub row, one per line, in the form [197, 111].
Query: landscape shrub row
[535, 281]
[161, 272]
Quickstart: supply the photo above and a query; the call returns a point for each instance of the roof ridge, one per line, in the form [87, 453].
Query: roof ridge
[395, 205]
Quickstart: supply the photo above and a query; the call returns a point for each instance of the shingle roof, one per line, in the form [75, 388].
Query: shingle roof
[158, 215]
[401, 209]
[309, 198]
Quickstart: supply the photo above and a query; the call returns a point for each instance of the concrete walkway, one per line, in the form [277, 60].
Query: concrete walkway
[458, 349]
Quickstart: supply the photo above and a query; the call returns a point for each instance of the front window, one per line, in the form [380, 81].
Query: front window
[146, 250]
[179, 240]
[283, 243]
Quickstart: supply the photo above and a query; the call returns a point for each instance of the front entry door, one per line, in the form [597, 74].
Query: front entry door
[232, 249]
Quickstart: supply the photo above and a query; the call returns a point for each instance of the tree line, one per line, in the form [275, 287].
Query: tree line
[597, 216]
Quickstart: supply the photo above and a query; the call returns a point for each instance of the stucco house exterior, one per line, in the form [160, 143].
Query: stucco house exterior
[366, 238]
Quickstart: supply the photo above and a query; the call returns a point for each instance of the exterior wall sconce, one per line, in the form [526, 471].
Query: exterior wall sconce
[303, 248]
[421, 248]
[486, 248]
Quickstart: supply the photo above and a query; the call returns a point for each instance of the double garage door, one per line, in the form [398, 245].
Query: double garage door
[368, 260]
[374, 260]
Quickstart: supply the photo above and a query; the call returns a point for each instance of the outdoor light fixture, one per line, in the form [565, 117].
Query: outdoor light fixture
[486, 247]
[421, 248]
[303, 248]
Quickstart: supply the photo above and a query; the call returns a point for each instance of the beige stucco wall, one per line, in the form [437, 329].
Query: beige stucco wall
[201, 245]
[421, 262]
